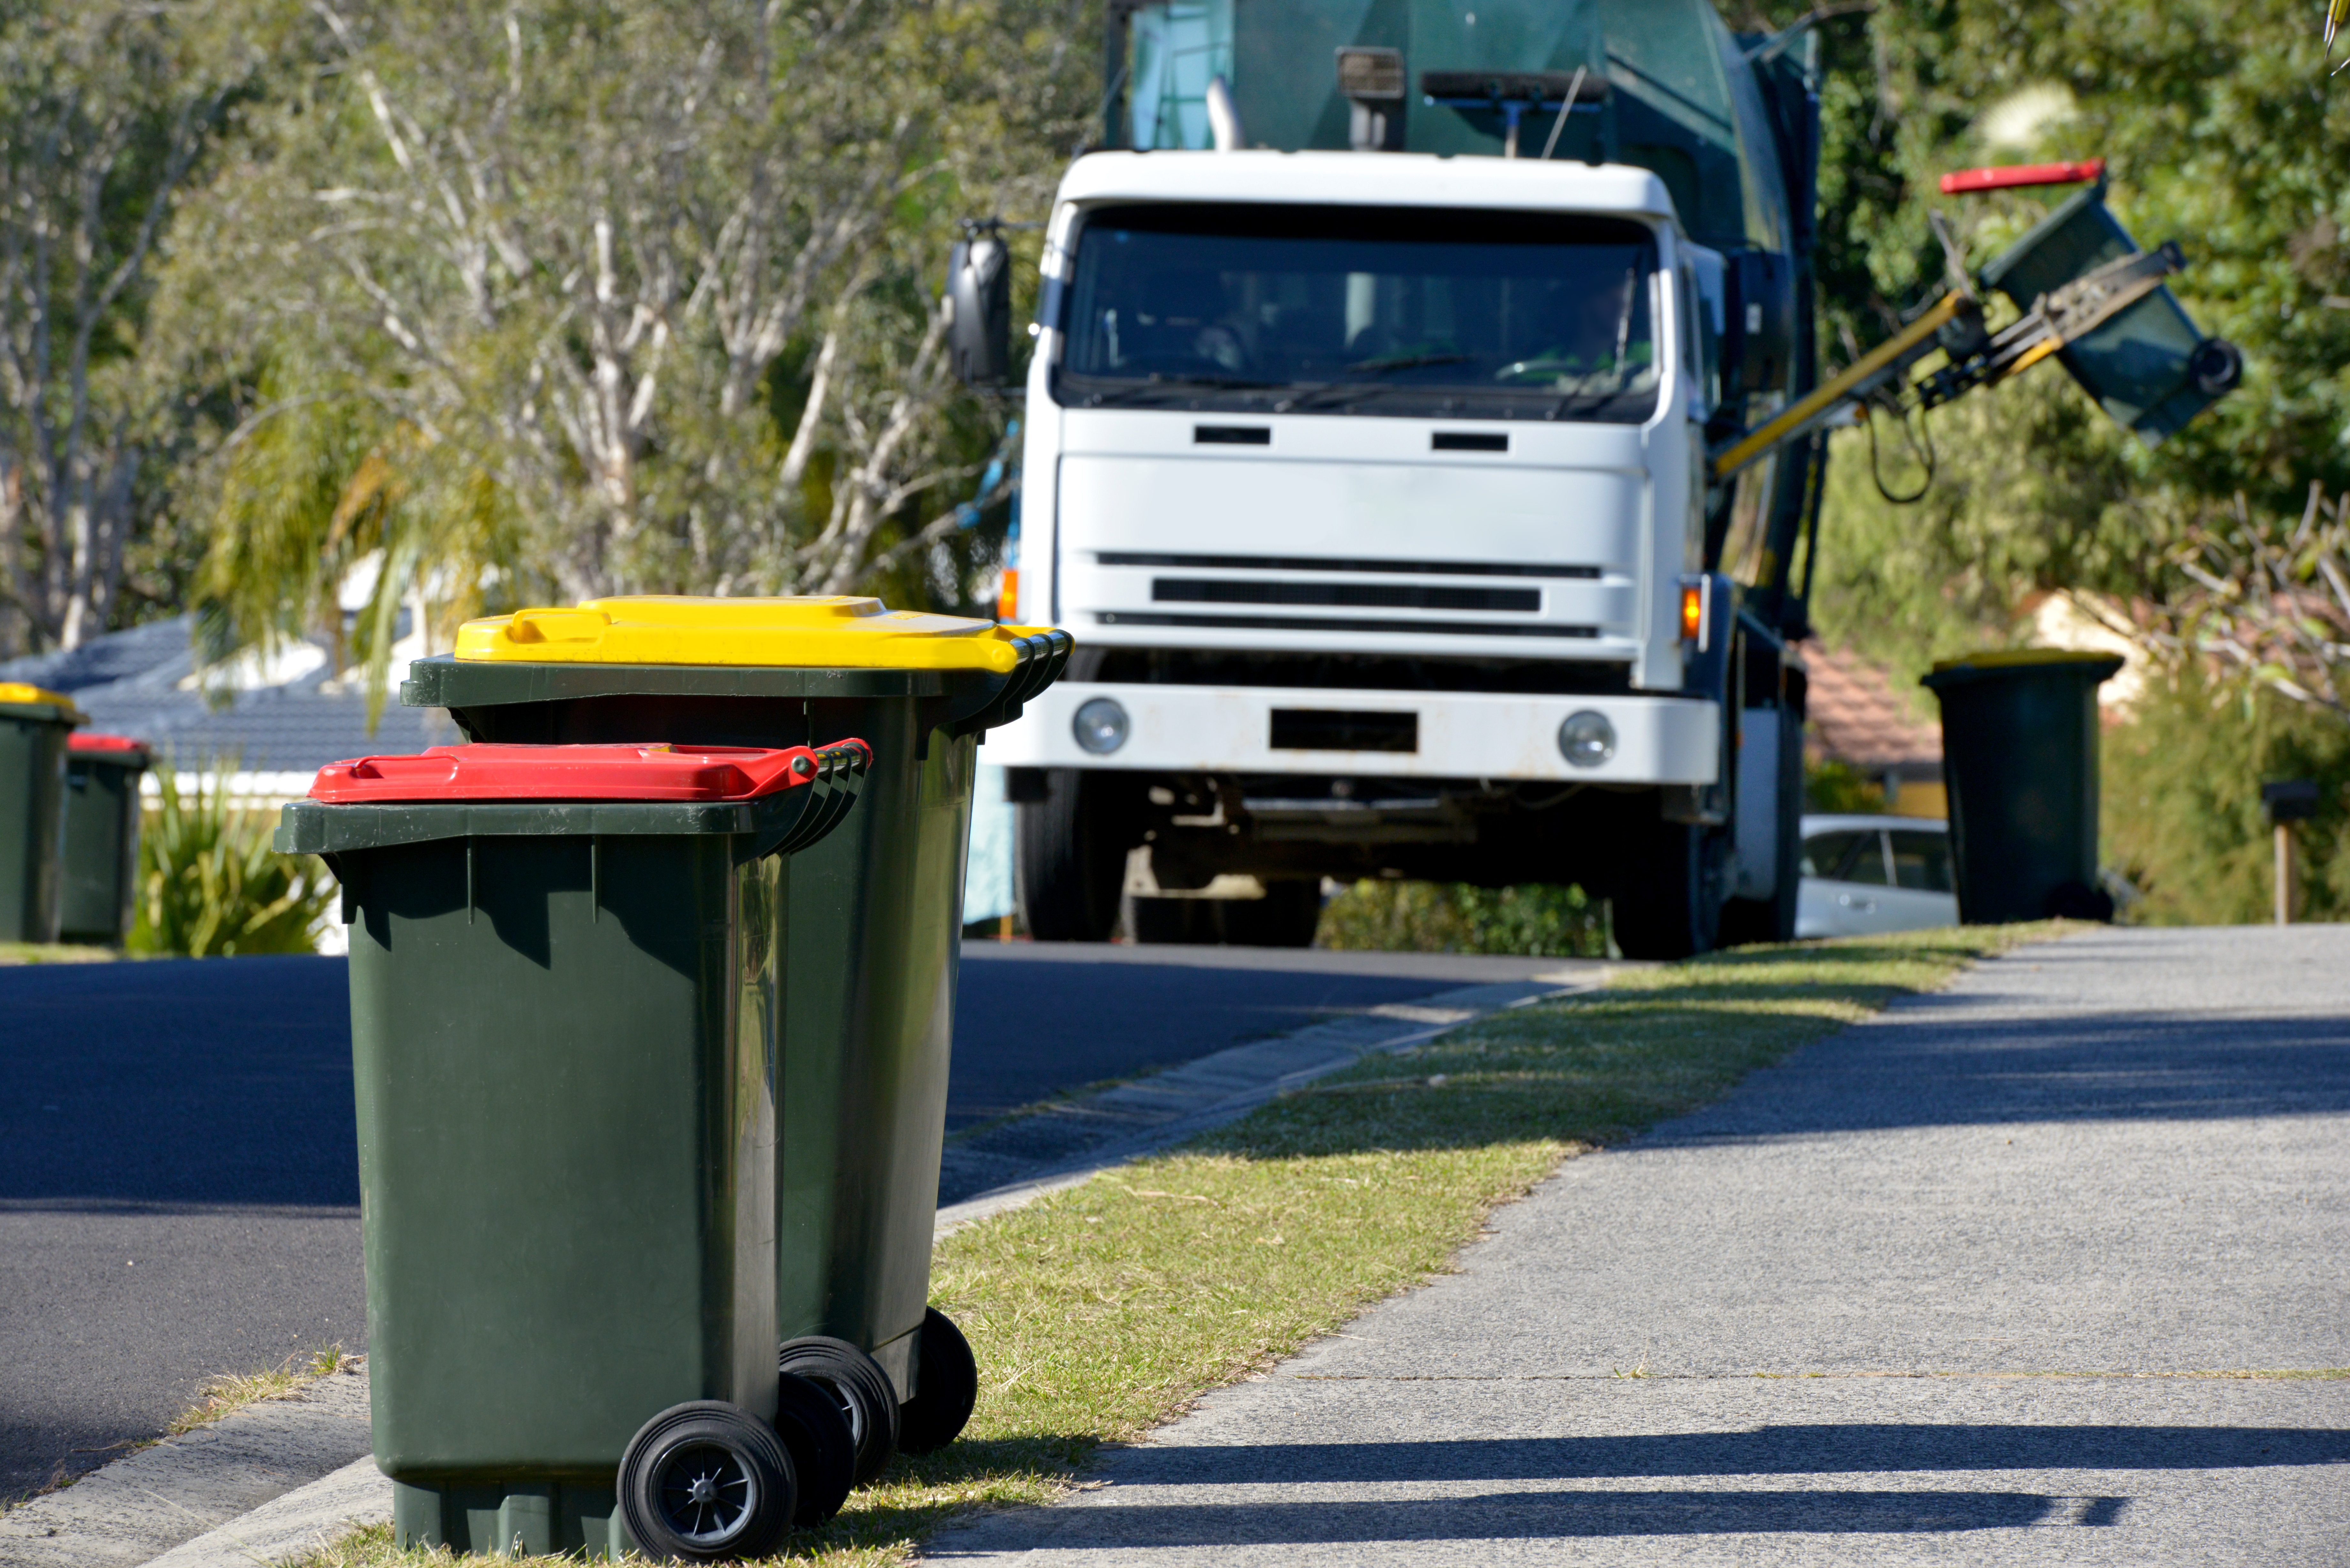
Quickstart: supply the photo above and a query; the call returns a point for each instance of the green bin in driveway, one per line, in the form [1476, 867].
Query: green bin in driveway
[102, 837]
[563, 971]
[34, 725]
[876, 915]
[2020, 755]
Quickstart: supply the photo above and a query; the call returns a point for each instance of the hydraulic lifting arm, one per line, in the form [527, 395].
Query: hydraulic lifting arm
[1954, 322]
[2067, 307]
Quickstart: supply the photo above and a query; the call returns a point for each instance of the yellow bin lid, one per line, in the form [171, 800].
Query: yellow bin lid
[838, 631]
[17, 694]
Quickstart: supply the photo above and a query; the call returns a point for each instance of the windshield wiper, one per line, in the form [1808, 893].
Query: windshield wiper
[1160, 387]
[1408, 362]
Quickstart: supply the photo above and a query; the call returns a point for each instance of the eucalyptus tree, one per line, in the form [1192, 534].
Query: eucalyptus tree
[576, 297]
[105, 108]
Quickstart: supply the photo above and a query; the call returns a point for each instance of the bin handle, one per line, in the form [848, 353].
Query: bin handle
[1040, 655]
[802, 816]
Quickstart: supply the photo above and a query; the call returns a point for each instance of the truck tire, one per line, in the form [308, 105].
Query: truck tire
[1772, 920]
[1668, 900]
[1069, 861]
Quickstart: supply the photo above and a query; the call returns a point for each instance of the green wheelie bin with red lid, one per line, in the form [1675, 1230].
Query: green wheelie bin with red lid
[564, 982]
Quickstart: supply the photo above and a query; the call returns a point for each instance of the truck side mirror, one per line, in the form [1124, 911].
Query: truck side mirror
[979, 307]
[1760, 346]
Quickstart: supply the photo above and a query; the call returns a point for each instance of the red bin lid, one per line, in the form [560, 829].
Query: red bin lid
[651, 772]
[84, 740]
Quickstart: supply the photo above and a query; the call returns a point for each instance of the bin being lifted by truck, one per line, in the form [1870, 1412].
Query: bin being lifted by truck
[1418, 443]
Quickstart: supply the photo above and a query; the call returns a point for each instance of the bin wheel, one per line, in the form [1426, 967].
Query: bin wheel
[944, 1392]
[706, 1480]
[860, 1389]
[823, 1446]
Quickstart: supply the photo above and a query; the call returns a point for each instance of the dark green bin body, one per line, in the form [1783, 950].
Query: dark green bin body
[2136, 364]
[2020, 755]
[100, 870]
[562, 1027]
[875, 913]
[32, 818]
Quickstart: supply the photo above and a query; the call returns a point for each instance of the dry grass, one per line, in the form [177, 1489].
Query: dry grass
[226, 1394]
[1102, 1311]
[54, 952]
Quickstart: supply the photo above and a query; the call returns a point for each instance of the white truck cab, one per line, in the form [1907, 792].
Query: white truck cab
[1373, 491]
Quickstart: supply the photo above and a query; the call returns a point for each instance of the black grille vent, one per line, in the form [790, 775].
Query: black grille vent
[1344, 595]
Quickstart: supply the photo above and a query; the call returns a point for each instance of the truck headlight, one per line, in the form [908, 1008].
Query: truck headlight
[1101, 726]
[1585, 739]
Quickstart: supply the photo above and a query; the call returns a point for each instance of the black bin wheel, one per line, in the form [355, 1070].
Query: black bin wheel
[944, 1392]
[823, 1446]
[706, 1480]
[859, 1386]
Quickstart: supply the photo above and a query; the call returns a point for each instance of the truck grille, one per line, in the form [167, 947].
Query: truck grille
[1326, 563]
[1335, 623]
[1345, 595]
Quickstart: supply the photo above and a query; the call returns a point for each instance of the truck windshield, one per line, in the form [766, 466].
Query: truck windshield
[1405, 312]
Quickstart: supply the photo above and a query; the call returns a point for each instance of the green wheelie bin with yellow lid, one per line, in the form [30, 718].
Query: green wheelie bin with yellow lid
[34, 727]
[875, 913]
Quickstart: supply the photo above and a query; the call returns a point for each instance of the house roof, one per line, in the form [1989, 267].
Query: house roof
[139, 683]
[1857, 717]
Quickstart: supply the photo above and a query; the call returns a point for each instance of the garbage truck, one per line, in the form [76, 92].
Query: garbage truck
[1424, 439]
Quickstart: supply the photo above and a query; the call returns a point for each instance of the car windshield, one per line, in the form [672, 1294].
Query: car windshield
[1362, 310]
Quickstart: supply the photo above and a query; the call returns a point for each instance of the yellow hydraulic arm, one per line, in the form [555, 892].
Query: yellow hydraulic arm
[1953, 322]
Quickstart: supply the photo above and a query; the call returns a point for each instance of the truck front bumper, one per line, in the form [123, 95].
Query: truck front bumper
[1456, 734]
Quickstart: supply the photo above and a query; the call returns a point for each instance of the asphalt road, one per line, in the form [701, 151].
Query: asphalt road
[2047, 1268]
[179, 1188]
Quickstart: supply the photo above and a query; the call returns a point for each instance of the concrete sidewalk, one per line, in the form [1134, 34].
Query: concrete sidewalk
[1979, 1281]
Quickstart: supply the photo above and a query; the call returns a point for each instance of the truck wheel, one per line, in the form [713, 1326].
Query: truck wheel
[1069, 862]
[1772, 920]
[1668, 899]
[1290, 913]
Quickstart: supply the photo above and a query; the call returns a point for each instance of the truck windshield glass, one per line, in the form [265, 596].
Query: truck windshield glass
[1407, 312]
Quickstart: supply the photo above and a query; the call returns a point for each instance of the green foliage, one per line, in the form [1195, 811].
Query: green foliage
[2182, 812]
[1839, 788]
[209, 884]
[1455, 918]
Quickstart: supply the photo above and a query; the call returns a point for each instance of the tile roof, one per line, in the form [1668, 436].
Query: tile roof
[1857, 716]
[129, 684]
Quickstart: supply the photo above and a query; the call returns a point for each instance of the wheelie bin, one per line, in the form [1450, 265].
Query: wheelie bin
[34, 725]
[2020, 758]
[564, 981]
[101, 840]
[876, 916]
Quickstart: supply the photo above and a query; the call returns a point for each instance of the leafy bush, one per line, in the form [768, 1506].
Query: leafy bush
[209, 884]
[1841, 789]
[1455, 918]
[2181, 801]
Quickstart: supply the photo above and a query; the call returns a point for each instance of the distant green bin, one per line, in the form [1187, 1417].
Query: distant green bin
[102, 837]
[875, 912]
[2020, 755]
[563, 1003]
[34, 725]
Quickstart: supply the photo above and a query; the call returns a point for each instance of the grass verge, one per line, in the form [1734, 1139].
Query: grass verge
[1101, 1311]
[55, 952]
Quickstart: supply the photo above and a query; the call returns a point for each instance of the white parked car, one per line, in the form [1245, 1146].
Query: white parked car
[1863, 875]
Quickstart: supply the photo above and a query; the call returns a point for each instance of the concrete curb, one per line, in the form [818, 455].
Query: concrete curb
[307, 1517]
[149, 1502]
